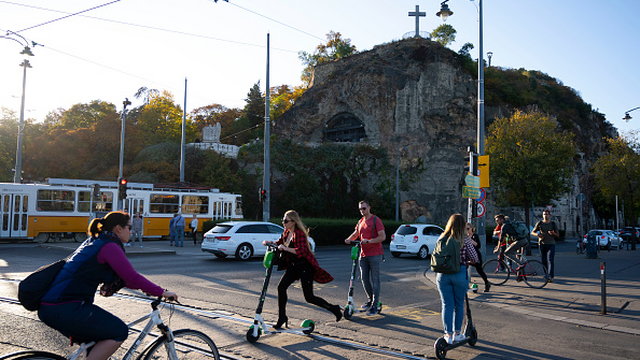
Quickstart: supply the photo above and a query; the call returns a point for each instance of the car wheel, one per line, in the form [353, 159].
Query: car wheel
[244, 252]
[423, 253]
[395, 254]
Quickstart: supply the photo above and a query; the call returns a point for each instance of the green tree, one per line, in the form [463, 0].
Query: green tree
[335, 48]
[249, 125]
[282, 99]
[161, 120]
[213, 114]
[618, 173]
[532, 161]
[444, 34]
[85, 115]
[8, 135]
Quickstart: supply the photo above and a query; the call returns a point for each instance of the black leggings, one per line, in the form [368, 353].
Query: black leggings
[304, 272]
[479, 269]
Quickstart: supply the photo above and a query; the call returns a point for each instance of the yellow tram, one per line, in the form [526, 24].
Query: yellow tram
[64, 207]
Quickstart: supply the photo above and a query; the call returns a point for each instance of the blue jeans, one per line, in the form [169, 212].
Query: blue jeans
[179, 235]
[370, 274]
[453, 288]
[548, 254]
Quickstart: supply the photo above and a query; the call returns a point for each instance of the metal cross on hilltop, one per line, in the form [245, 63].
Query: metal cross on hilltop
[417, 14]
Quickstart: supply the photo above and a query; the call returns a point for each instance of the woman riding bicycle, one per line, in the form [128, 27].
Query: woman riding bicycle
[68, 305]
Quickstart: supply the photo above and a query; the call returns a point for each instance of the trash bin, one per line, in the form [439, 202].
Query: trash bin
[592, 247]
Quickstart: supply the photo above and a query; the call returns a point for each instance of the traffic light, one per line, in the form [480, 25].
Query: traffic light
[122, 188]
[471, 162]
[262, 194]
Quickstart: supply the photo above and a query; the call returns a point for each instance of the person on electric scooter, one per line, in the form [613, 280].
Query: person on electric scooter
[453, 287]
[299, 263]
[370, 231]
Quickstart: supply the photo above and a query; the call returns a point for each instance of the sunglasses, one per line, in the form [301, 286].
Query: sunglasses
[363, 208]
[284, 221]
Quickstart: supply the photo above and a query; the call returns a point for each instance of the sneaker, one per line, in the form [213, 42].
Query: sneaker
[487, 287]
[459, 337]
[550, 280]
[448, 338]
[372, 310]
[366, 305]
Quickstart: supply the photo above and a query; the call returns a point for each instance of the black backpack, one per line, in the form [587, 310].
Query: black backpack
[445, 258]
[35, 286]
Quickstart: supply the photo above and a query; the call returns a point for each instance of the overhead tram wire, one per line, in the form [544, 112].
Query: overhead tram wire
[68, 16]
[178, 32]
[276, 21]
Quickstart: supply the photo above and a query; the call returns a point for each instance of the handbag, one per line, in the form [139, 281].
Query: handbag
[35, 286]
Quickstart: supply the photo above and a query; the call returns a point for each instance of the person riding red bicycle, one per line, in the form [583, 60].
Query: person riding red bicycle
[508, 242]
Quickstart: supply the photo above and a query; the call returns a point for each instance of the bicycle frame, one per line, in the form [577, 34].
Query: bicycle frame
[154, 320]
[521, 263]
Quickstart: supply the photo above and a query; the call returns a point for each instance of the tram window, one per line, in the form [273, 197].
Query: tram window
[25, 202]
[192, 204]
[163, 204]
[104, 202]
[55, 200]
[239, 206]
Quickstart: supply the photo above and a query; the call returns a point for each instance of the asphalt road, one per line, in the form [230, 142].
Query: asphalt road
[227, 291]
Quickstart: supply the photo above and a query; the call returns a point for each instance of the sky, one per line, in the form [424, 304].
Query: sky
[109, 52]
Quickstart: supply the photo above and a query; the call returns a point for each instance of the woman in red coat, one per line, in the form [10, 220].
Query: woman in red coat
[300, 264]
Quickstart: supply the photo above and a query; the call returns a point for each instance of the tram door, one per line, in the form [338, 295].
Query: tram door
[13, 215]
[134, 205]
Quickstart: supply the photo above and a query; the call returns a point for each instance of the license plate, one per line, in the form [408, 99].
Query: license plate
[401, 247]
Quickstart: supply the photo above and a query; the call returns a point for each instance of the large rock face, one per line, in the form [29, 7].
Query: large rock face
[411, 93]
[415, 94]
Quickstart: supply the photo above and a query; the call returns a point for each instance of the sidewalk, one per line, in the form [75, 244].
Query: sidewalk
[575, 295]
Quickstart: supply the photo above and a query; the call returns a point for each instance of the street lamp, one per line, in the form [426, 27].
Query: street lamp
[628, 117]
[17, 176]
[444, 13]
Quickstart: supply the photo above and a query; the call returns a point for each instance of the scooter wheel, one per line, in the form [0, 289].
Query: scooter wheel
[348, 312]
[473, 337]
[308, 326]
[440, 347]
[253, 338]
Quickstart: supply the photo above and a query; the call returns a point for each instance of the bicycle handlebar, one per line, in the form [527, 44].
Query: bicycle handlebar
[159, 299]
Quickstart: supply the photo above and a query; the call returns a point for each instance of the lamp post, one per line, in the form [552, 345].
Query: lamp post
[123, 117]
[400, 154]
[17, 176]
[444, 13]
[628, 117]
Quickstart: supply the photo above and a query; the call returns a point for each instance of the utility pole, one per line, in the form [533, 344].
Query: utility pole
[182, 138]
[123, 117]
[266, 179]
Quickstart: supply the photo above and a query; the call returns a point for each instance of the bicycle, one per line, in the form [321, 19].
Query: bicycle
[532, 272]
[183, 344]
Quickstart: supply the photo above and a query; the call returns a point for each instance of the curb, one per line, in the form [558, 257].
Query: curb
[430, 279]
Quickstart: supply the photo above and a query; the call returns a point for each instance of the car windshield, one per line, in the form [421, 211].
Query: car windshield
[595, 232]
[220, 229]
[406, 230]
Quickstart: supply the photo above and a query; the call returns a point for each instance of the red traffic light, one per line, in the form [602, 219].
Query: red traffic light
[123, 181]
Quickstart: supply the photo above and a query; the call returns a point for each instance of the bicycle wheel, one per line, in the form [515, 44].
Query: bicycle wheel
[32, 355]
[497, 271]
[189, 344]
[534, 274]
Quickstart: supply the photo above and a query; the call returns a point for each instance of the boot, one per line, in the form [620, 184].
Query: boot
[282, 320]
[337, 311]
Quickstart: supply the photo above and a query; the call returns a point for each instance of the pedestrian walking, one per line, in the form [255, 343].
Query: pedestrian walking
[137, 228]
[299, 263]
[547, 233]
[453, 287]
[370, 231]
[193, 225]
[172, 230]
[179, 226]
[475, 239]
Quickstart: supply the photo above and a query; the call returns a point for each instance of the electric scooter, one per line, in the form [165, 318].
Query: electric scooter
[349, 309]
[259, 327]
[471, 336]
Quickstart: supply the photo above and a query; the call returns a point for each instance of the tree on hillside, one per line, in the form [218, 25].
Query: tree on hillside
[161, 120]
[213, 114]
[84, 115]
[444, 34]
[8, 135]
[249, 125]
[532, 161]
[335, 48]
[282, 99]
[618, 173]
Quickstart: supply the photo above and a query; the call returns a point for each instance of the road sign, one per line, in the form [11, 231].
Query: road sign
[483, 195]
[472, 181]
[480, 209]
[470, 192]
[483, 170]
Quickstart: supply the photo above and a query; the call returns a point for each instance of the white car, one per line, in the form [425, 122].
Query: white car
[415, 239]
[242, 239]
[607, 239]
